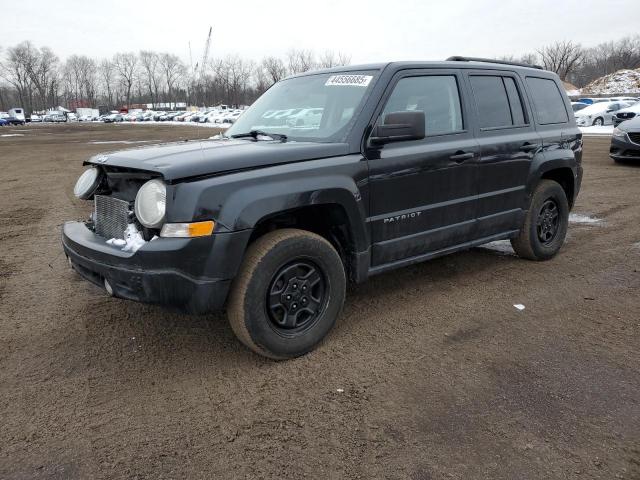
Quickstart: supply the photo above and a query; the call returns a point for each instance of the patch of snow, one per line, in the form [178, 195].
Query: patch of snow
[132, 240]
[606, 130]
[116, 242]
[617, 83]
[502, 247]
[222, 126]
[127, 142]
[519, 306]
[584, 219]
[12, 135]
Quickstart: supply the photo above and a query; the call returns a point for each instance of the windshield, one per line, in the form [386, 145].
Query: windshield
[314, 107]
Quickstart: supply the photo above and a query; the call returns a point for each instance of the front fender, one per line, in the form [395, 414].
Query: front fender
[238, 201]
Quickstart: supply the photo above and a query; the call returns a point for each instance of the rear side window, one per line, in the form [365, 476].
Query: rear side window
[498, 101]
[435, 95]
[547, 101]
[517, 112]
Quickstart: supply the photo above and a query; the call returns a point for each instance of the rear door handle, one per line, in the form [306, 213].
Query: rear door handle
[460, 157]
[529, 147]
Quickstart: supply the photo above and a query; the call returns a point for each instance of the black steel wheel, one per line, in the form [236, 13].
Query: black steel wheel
[296, 297]
[288, 293]
[546, 222]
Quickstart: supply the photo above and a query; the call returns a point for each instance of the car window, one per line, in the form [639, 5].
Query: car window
[435, 95]
[515, 101]
[547, 101]
[492, 102]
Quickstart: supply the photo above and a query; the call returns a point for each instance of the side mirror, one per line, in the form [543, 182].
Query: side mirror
[609, 110]
[399, 126]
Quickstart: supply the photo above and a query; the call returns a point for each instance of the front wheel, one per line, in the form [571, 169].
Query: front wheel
[545, 225]
[598, 122]
[288, 293]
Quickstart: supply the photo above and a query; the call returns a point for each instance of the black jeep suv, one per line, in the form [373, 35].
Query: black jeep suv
[331, 176]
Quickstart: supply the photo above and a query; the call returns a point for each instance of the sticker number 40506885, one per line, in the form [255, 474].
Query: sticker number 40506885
[348, 80]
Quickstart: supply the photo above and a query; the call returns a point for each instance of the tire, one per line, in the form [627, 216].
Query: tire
[598, 122]
[263, 295]
[542, 242]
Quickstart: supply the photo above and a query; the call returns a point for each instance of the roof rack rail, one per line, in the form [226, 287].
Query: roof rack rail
[490, 60]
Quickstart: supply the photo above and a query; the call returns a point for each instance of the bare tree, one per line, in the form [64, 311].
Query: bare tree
[15, 70]
[151, 67]
[43, 72]
[126, 66]
[562, 58]
[300, 61]
[106, 73]
[274, 68]
[172, 68]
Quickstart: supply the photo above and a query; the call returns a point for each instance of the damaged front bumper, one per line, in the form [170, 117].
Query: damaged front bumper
[190, 274]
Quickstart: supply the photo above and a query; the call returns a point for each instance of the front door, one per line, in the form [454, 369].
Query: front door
[423, 192]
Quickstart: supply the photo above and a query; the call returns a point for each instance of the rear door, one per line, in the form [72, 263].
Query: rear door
[508, 141]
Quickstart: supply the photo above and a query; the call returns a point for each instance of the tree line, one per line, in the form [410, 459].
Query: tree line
[580, 66]
[37, 79]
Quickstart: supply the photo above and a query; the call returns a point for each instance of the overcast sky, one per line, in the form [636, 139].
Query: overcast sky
[370, 31]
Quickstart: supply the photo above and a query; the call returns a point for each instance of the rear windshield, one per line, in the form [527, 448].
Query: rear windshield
[547, 101]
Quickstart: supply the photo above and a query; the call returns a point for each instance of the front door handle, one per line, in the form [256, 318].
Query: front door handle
[460, 156]
[529, 147]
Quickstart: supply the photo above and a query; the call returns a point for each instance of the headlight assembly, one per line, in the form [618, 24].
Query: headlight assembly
[151, 203]
[87, 183]
[618, 133]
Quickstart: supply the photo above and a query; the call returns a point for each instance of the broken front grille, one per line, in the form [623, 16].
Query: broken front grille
[111, 216]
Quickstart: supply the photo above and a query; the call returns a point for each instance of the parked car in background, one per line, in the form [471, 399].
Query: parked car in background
[624, 99]
[307, 117]
[577, 106]
[113, 118]
[17, 113]
[3, 122]
[625, 141]
[12, 120]
[627, 113]
[35, 118]
[600, 113]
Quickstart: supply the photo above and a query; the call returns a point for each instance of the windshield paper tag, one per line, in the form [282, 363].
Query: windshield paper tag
[349, 80]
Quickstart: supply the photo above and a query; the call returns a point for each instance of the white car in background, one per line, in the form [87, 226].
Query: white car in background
[307, 117]
[598, 114]
[626, 114]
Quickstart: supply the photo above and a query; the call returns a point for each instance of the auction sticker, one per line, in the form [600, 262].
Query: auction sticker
[349, 80]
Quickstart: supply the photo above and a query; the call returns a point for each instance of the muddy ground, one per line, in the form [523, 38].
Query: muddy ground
[431, 372]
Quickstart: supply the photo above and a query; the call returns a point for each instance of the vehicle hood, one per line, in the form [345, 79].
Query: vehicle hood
[179, 160]
[633, 108]
[632, 125]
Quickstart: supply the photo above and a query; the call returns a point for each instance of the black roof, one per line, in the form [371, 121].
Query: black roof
[451, 62]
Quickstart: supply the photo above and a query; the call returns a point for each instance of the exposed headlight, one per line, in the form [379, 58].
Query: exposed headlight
[87, 183]
[151, 203]
[618, 133]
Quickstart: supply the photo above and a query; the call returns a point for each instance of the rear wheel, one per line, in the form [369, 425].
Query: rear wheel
[288, 293]
[546, 223]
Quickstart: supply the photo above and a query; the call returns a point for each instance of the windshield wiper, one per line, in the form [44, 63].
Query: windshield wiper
[255, 133]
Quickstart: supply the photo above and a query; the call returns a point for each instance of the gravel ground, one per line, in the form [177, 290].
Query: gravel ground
[431, 372]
